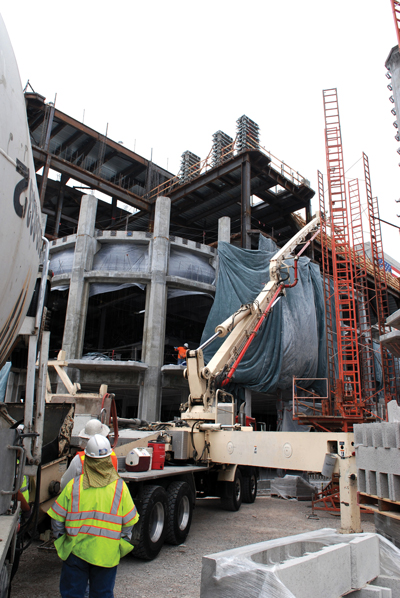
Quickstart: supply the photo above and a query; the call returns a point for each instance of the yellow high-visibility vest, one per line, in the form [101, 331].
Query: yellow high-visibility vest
[25, 486]
[94, 519]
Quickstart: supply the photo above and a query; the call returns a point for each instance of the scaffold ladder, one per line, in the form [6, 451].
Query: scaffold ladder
[381, 296]
[368, 379]
[327, 287]
[348, 388]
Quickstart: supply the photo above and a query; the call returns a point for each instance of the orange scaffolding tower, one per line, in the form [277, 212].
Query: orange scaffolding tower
[347, 397]
[327, 288]
[381, 296]
[368, 377]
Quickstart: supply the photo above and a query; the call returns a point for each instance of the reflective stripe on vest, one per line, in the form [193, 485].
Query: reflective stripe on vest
[98, 520]
[129, 516]
[26, 487]
[58, 509]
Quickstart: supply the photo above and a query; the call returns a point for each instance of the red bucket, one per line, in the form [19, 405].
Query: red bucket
[158, 459]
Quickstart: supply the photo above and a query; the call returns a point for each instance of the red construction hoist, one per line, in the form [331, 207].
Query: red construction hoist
[396, 15]
[365, 344]
[381, 296]
[348, 403]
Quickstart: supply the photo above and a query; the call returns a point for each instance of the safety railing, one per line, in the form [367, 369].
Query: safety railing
[227, 153]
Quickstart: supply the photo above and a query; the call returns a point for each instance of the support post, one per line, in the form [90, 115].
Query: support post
[48, 157]
[246, 208]
[60, 201]
[224, 229]
[350, 516]
[247, 395]
[155, 315]
[85, 249]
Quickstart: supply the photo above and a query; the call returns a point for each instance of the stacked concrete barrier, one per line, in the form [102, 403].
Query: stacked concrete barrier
[312, 565]
[378, 459]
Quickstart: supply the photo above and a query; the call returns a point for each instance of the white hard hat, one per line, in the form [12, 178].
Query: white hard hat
[186, 345]
[98, 447]
[94, 426]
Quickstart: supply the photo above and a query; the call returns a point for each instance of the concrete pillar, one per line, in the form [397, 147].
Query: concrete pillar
[224, 229]
[247, 396]
[78, 297]
[246, 207]
[155, 315]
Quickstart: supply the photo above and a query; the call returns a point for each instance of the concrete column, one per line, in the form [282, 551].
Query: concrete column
[155, 315]
[247, 395]
[78, 298]
[224, 229]
[246, 208]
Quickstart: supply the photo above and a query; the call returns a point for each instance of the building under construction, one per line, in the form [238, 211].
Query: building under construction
[135, 276]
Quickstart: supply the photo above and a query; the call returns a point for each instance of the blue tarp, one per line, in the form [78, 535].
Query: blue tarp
[292, 340]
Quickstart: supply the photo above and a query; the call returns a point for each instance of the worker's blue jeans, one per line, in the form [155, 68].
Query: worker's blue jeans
[76, 573]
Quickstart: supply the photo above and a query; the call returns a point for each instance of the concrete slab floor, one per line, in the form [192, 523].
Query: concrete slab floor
[176, 571]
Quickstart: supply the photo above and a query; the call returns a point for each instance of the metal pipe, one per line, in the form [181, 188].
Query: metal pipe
[209, 341]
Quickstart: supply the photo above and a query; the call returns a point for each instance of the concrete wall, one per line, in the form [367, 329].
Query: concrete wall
[75, 264]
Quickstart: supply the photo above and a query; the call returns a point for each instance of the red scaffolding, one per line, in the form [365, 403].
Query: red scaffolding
[348, 400]
[381, 296]
[327, 287]
[368, 378]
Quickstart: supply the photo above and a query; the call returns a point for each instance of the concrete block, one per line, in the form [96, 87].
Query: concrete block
[371, 482]
[365, 561]
[394, 487]
[368, 440]
[390, 434]
[383, 460]
[377, 431]
[366, 457]
[393, 411]
[358, 434]
[329, 570]
[387, 581]
[361, 480]
[382, 483]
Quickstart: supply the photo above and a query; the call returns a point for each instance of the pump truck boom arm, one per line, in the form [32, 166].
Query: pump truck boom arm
[241, 327]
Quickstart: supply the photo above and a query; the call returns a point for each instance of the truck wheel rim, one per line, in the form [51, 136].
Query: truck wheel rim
[183, 513]
[238, 489]
[156, 522]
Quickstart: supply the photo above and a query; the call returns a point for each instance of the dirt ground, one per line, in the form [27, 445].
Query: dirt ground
[176, 571]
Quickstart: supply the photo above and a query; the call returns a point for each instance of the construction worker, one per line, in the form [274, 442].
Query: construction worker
[92, 521]
[182, 353]
[75, 469]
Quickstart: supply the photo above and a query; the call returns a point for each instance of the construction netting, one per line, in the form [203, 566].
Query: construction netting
[292, 340]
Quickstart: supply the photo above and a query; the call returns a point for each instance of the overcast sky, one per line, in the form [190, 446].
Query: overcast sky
[166, 74]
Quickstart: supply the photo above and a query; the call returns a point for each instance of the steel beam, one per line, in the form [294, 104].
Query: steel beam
[92, 180]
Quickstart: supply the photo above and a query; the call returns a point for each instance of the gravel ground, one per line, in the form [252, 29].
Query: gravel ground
[176, 571]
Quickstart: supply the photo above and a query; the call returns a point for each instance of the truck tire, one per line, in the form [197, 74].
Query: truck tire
[180, 510]
[233, 493]
[250, 487]
[149, 533]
